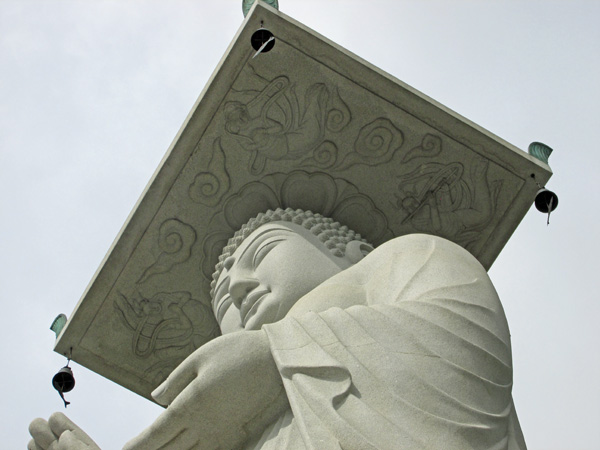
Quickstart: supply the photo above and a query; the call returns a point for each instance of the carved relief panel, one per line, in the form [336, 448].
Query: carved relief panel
[306, 126]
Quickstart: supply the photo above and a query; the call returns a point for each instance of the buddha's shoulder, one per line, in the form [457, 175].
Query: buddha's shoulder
[420, 250]
[419, 243]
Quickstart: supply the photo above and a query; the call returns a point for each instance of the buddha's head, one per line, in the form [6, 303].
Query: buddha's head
[274, 260]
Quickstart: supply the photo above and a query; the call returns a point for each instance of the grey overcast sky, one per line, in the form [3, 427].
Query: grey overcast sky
[92, 92]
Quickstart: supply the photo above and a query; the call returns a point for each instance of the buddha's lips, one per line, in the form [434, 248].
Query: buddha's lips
[249, 303]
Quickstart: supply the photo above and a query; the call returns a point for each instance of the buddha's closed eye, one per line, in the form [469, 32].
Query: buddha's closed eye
[264, 249]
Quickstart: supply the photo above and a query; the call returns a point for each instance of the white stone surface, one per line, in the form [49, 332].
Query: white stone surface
[406, 348]
[307, 125]
[58, 433]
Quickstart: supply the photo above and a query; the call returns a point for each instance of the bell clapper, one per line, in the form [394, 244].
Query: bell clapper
[262, 47]
[545, 201]
[549, 210]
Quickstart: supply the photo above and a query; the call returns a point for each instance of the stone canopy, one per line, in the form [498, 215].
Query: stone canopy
[306, 125]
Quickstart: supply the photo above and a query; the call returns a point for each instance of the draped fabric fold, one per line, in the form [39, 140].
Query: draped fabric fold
[424, 363]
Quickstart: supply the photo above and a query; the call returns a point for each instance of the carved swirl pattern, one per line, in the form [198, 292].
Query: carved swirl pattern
[175, 240]
[338, 115]
[205, 186]
[209, 187]
[376, 143]
[324, 156]
[430, 147]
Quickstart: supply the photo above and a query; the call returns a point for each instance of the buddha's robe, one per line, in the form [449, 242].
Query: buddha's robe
[423, 362]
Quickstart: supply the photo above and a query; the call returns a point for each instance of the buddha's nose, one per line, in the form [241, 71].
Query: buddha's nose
[239, 289]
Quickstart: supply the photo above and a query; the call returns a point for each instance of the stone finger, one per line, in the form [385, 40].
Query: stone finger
[33, 446]
[41, 433]
[59, 423]
[64, 427]
[176, 382]
[69, 440]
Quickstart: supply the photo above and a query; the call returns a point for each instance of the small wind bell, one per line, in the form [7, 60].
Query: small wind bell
[262, 41]
[64, 381]
[545, 201]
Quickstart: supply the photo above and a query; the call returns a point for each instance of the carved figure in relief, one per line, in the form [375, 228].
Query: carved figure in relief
[438, 199]
[276, 124]
[330, 344]
[164, 326]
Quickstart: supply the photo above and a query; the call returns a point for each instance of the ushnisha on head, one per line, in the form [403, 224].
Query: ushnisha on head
[274, 260]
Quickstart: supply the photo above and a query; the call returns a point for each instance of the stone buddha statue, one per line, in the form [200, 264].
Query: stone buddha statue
[328, 343]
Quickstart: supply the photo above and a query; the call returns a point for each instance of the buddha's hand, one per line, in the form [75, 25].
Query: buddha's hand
[225, 392]
[58, 433]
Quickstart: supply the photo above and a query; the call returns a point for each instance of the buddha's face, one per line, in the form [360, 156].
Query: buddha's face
[273, 268]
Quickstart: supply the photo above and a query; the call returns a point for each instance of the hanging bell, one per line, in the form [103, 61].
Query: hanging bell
[64, 381]
[546, 201]
[262, 41]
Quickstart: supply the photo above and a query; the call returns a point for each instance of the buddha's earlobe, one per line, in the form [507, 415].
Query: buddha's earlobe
[357, 250]
[228, 263]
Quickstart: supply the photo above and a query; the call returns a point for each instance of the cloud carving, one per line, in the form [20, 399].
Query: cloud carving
[208, 187]
[377, 142]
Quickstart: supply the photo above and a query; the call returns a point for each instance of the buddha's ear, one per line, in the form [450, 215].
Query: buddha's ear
[357, 250]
